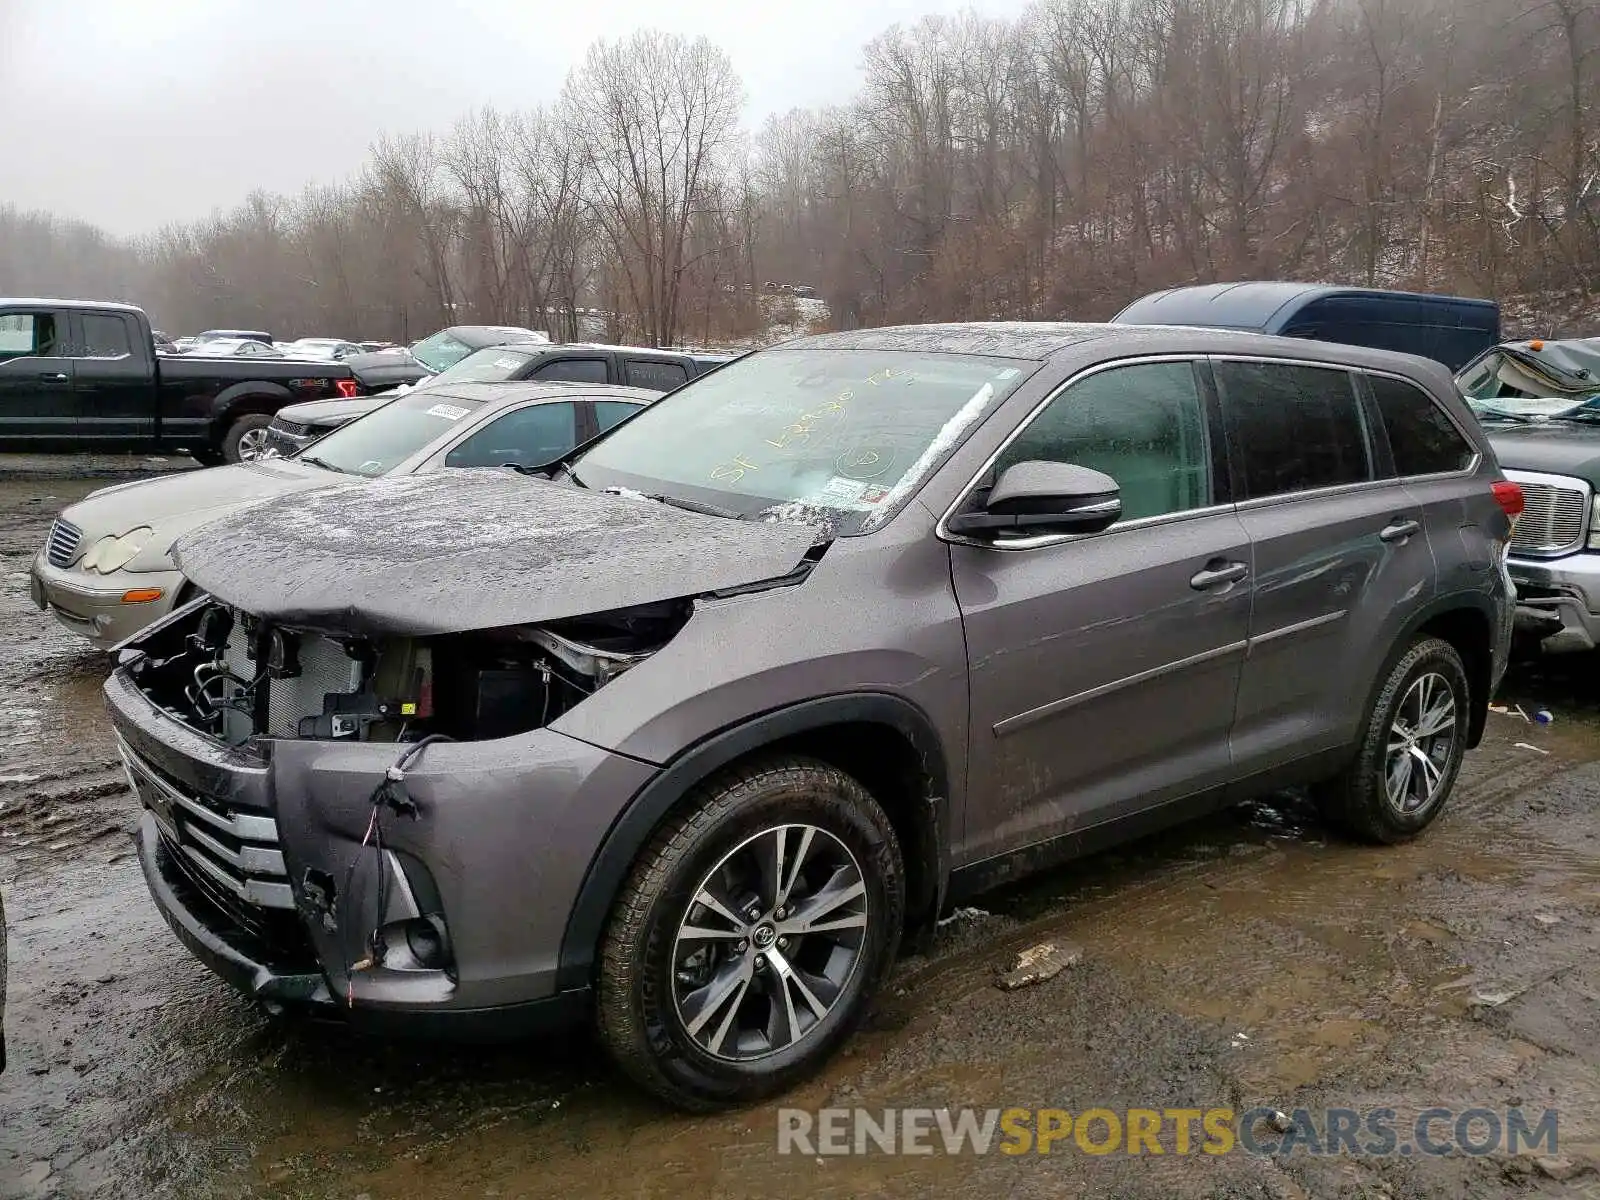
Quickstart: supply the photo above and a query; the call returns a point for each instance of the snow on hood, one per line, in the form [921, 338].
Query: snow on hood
[472, 549]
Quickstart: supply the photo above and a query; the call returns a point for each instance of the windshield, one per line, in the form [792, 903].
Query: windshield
[496, 364]
[378, 442]
[439, 351]
[842, 437]
[1505, 386]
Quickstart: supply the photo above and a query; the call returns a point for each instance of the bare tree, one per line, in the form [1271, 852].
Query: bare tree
[656, 112]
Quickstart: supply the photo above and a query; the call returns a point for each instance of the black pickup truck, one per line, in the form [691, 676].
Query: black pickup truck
[83, 375]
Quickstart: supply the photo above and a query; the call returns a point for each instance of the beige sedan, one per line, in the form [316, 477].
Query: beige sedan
[106, 569]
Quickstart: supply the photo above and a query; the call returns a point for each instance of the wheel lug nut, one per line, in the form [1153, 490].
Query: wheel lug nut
[743, 946]
[783, 943]
[761, 961]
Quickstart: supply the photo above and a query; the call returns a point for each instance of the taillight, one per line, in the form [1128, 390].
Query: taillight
[1509, 497]
[348, 390]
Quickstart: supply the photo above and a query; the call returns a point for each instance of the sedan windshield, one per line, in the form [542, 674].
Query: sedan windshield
[379, 442]
[440, 350]
[496, 364]
[841, 437]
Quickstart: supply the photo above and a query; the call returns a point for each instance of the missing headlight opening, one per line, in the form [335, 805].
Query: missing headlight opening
[232, 676]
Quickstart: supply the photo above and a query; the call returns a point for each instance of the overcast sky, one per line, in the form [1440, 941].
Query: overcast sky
[132, 113]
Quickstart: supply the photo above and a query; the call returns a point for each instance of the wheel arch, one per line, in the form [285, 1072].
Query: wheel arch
[884, 741]
[1466, 620]
[259, 397]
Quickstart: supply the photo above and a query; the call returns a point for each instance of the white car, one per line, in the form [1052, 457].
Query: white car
[106, 569]
[321, 349]
[234, 348]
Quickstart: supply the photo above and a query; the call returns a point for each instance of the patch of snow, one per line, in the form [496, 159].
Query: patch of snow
[801, 512]
[954, 429]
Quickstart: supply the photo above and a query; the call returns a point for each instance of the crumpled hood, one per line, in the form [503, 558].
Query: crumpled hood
[472, 549]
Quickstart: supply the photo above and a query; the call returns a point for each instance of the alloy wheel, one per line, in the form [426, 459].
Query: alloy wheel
[770, 941]
[1421, 741]
[252, 444]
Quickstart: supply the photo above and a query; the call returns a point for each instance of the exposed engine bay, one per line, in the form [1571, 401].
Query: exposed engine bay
[234, 676]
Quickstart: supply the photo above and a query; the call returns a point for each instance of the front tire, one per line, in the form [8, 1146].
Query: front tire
[751, 935]
[246, 438]
[1410, 750]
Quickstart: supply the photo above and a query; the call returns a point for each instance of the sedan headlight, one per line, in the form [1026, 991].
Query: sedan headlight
[113, 553]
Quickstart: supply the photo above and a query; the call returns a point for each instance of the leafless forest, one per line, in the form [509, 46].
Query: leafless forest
[1056, 165]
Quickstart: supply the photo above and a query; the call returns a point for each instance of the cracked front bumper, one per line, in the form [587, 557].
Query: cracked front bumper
[241, 848]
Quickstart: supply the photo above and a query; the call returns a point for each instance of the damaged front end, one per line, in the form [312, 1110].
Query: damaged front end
[309, 827]
[354, 790]
[233, 676]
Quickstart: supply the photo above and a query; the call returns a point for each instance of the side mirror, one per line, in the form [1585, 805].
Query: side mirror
[1044, 497]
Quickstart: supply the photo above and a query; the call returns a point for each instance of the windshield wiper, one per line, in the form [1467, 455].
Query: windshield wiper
[323, 463]
[694, 506]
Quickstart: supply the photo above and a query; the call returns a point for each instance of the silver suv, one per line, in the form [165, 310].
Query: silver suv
[687, 730]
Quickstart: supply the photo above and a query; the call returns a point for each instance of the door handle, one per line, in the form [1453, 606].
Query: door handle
[1218, 572]
[54, 376]
[1398, 530]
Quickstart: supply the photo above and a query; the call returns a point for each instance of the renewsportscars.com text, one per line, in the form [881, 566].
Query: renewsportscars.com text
[1371, 1132]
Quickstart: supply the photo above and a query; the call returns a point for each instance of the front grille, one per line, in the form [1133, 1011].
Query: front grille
[231, 854]
[324, 668]
[62, 547]
[1555, 515]
[291, 428]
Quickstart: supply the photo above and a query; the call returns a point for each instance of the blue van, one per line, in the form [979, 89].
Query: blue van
[1450, 329]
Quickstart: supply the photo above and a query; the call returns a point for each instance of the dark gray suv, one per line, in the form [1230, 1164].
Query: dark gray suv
[688, 730]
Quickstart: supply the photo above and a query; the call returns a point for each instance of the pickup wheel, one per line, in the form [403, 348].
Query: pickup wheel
[246, 438]
[752, 934]
[1410, 750]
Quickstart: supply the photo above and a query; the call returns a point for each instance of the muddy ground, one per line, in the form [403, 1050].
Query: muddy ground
[1253, 958]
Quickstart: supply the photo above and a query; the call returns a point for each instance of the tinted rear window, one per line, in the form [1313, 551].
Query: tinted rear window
[1292, 428]
[655, 374]
[1422, 438]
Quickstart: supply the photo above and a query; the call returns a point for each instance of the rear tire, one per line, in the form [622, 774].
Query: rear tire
[709, 1005]
[246, 438]
[1410, 750]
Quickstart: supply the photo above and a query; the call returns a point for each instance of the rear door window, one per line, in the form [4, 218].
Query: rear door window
[656, 375]
[105, 336]
[1292, 428]
[609, 412]
[1422, 439]
[529, 437]
[577, 370]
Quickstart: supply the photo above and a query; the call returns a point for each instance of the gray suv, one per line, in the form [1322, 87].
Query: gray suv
[686, 731]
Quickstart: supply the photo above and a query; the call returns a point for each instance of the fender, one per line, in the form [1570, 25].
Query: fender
[227, 404]
[638, 821]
